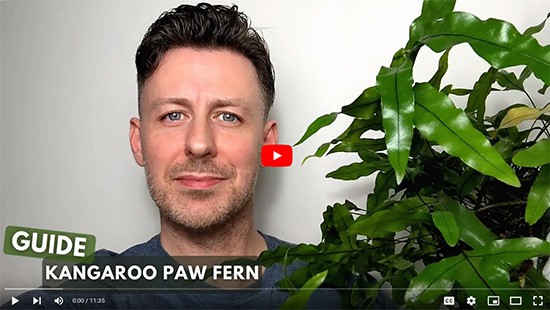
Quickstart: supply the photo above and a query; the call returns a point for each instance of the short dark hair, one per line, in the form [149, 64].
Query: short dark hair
[205, 26]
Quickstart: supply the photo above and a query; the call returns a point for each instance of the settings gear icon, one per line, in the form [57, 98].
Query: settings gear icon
[471, 300]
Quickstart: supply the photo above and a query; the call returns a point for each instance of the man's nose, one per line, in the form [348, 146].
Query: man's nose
[200, 140]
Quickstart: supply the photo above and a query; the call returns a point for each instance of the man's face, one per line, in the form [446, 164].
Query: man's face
[200, 135]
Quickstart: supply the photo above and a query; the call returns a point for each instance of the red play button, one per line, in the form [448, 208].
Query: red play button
[276, 155]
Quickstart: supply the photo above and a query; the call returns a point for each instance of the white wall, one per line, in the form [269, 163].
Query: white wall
[68, 90]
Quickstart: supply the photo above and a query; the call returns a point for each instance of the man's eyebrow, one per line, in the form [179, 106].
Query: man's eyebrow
[222, 103]
[177, 101]
[217, 103]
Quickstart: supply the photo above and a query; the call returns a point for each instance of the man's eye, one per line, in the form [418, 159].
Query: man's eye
[173, 117]
[228, 117]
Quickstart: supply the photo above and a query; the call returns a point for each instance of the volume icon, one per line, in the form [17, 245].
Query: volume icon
[58, 300]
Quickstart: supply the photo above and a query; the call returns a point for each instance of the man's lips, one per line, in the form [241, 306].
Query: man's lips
[199, 181]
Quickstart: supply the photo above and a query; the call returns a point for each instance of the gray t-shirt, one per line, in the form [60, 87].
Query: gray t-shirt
[266, 296]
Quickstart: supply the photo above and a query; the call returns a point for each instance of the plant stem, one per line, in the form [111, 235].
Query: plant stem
[530, 99]
[543, 130]
[501, 204]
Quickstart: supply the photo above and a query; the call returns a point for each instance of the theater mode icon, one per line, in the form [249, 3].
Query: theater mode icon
[276, 155]
[516, 301]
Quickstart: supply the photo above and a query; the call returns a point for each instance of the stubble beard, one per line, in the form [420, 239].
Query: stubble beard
[179, 205]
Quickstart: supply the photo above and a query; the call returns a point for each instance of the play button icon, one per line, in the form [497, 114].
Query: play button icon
[276, 155]
[14, 300]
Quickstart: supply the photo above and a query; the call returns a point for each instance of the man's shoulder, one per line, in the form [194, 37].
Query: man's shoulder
[274, 242]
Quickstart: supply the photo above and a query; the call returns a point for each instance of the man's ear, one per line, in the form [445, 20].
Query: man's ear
[135, 141]
[271, 134]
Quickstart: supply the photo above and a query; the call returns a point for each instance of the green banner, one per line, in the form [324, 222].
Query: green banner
[51, 244]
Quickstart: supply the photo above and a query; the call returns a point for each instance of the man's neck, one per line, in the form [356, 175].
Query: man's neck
[238, 237]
